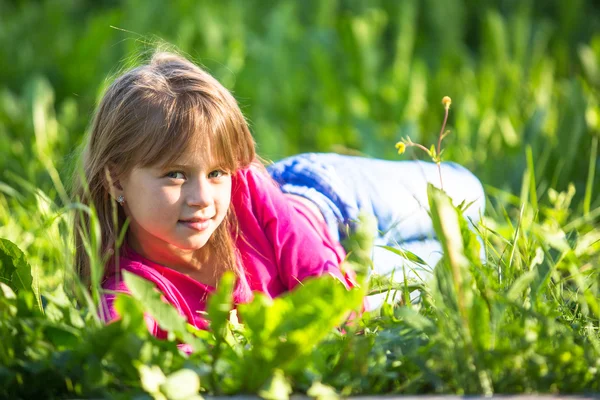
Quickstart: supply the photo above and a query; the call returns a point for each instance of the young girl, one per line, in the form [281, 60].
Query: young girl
[170, 145]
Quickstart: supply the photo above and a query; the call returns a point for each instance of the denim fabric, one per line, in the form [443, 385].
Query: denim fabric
[395, 192]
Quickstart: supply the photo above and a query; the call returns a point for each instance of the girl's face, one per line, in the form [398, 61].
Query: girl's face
[175, 209]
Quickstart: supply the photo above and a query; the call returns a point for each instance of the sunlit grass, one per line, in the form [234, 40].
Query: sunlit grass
[525, 119]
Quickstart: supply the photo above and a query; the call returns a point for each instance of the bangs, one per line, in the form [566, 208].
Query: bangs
[190, 125]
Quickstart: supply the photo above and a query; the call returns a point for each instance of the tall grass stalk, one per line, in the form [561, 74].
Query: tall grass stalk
[589, 187]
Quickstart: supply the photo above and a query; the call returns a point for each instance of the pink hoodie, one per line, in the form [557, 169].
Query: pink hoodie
[280, 244]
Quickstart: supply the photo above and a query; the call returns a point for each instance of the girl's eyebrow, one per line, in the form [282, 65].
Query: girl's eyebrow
[181, 166]
[169, 166]
[186, 166]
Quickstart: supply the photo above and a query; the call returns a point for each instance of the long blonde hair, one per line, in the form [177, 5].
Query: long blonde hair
[149, 116]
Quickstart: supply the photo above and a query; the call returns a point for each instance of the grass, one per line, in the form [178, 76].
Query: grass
[321, 76]
[525, 321]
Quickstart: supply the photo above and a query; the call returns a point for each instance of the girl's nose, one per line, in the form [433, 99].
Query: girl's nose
[200, 194]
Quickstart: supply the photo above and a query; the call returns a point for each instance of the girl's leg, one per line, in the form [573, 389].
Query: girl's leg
[395, 192]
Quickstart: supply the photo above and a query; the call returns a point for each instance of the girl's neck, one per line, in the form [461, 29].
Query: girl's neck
[199, 265]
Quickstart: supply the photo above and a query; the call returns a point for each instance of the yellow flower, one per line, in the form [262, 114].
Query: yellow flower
[401, 147]
[446, 101]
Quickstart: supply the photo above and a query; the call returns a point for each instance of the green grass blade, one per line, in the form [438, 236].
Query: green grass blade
[590, 178]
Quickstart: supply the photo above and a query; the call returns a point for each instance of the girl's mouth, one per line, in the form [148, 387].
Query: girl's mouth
[197, 225]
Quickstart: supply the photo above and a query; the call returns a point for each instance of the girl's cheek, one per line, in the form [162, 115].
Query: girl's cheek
[167, 198]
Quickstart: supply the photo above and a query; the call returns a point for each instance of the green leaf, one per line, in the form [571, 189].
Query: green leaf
[447, 226]
[453, 274]
[180, 385]
[145, 291]
[320, 391]
[407, 255]
[7, 291]
[286, 329]
[432, 152]
[276, 387]
[521, 284]
[163, 313]
[131, 312]
[414, 319]
[384, 283]
[359, 245]
[15, 270]
[220, 304]
[62, 336]
[151, 378]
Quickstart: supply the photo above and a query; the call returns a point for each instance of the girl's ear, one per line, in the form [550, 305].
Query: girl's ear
[111, 181]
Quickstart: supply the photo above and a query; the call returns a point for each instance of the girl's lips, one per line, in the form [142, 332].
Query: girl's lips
[197, 225]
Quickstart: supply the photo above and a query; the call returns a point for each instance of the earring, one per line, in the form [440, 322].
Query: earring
[121, 199]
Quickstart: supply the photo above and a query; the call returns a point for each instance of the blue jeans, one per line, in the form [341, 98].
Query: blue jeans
[395, 192]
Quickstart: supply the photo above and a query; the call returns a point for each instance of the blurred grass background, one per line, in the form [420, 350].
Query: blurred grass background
[352, 76]
[334, 75]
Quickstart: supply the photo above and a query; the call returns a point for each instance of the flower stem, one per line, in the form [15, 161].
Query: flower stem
[439, 146]
[442, 131]
[425, 149]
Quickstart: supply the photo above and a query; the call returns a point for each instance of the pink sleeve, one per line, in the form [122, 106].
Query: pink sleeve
[300, 252]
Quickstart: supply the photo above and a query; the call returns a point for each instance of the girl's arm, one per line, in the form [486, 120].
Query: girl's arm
[300, 247]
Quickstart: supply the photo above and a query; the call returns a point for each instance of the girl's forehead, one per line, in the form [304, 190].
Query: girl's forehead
[195, 155]
[186, 146]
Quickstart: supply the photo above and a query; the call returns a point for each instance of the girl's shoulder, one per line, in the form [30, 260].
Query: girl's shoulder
[256, 171]
[252, 185]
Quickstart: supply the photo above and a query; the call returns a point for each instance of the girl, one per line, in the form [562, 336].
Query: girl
[170, 145]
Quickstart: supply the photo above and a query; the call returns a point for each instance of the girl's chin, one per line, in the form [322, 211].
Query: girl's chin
[192, 245]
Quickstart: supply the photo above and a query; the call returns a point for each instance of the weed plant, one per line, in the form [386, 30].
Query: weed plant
[524, 320]
[312, 76]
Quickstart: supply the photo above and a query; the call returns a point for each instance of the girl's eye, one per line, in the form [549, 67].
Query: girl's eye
[175, 175]
[216, 173]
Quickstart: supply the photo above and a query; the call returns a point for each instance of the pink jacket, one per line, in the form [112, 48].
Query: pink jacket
[280, 244]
